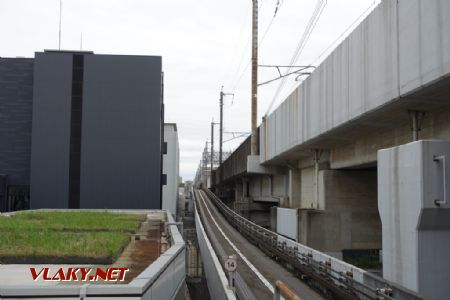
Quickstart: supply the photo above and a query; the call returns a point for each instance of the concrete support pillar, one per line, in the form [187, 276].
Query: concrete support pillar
[415, 213]
[245, 190]
[270, 185]
[273, 218]
[349, 219]
[246, 199]
[238, 197]
[416, 118]
[294, 188]
[316, 159]
[310, 191]
[303, 226]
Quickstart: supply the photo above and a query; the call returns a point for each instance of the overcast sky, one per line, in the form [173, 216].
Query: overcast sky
[204, 45]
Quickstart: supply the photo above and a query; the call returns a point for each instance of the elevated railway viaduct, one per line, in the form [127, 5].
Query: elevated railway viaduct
[322, 151]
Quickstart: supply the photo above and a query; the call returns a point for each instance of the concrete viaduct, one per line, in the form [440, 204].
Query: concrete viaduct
[349, 150]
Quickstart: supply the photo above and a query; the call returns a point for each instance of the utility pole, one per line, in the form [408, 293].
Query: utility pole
[221, 126]
[222, 95]
[205, 164]
[254, 108]
[212, 145]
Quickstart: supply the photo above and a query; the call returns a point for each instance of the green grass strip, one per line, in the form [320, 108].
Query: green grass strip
[66, 234]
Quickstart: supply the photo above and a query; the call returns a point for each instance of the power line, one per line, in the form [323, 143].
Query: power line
[278, 6]
[249, 61]
[236, 137]
[300, 46]
[236, 83]
[357, 20]
[243, 55]
[240, 64]
[343, 35]
[243, 26]
[301, 71]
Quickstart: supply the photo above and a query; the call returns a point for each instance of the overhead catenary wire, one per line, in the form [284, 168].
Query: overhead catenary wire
[242, 59]
[300, 46]
[346, 31]
[236, 137]
[254, 66]
[235, 83]
[338, 40]
[300, 71]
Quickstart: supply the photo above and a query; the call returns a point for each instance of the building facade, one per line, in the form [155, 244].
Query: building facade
[16, 94]
[95, 130]
[171, 163]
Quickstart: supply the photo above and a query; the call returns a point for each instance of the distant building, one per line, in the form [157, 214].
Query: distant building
[94, 137]
[16, 96]
[171, 161]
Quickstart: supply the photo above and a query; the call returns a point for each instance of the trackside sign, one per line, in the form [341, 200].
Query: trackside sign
[79, 274]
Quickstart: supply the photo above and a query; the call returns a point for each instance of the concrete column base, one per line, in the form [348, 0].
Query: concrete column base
[416, 216]
[350, 219]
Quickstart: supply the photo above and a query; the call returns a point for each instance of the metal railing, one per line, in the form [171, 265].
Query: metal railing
[321, 271]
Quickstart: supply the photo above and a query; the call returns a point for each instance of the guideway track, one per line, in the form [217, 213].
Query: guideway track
[318, 274]
[256, 273]
[222, 249]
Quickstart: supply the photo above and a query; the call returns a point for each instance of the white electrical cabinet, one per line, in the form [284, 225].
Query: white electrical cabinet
[287, 222]
[413, 188]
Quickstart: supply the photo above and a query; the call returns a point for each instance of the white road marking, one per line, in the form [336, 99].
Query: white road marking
[249, 264]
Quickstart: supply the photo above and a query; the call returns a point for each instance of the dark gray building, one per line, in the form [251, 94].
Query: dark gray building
[16, 94]
[96, 131]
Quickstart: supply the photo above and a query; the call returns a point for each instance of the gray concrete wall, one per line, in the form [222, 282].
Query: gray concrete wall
[294, 188]
[268, 187]
[235, 164]
[416, 231]
[51, 130]
[255, 186]
[279, 185]
[363, 149]
[121, 132]
[402, 46]
[307, 188]
[16, 95]
[259, 213]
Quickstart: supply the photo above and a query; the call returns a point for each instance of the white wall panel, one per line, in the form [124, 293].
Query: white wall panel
[365, 71]
[381, 40]
[171, 162]
[424, 42]
[287, 222]
[416, 231]
[444, 36]
[356, 72]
